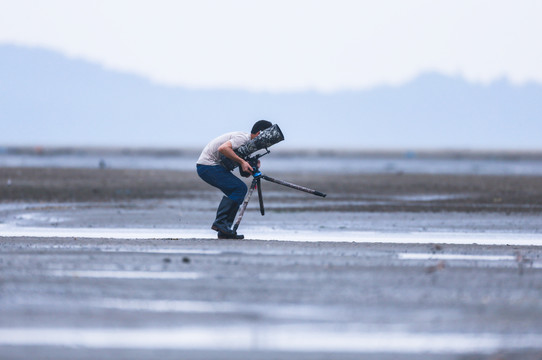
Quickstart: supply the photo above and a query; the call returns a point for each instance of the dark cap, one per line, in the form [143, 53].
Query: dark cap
[260, 125]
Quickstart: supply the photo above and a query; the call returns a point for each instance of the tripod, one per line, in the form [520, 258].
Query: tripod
[256, 183]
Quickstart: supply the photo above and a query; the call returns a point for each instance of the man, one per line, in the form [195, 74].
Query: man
[213, 173]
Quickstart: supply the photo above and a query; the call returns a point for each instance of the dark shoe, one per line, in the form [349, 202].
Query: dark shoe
[233, 236]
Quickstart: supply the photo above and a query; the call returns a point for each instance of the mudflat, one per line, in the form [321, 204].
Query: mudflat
[352, 192]
[99, 296]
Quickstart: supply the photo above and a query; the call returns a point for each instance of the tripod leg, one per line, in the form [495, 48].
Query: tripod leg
[294, 186]
[244, 205]
[262, 209]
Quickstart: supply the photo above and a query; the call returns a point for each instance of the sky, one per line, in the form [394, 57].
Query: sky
[288, 45]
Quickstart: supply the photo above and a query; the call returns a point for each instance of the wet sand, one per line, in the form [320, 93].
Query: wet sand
[86, 298]
[358, 192]
[200, 298]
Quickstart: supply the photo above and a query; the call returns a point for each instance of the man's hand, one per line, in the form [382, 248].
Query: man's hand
[245, 166]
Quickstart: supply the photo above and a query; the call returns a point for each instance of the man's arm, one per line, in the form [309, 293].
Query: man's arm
[226, 149]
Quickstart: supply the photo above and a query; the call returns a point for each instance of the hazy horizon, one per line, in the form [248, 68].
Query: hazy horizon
[346, 74]
[281, 46]
[49, 99]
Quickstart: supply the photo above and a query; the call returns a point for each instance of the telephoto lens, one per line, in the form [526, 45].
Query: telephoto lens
[265, 139]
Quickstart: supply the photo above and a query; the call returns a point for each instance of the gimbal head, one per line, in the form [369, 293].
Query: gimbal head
[253, 161]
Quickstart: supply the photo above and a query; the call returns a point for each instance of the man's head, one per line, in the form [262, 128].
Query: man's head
[259, 126]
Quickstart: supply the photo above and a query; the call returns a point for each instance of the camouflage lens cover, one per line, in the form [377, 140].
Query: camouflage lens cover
[265, 139]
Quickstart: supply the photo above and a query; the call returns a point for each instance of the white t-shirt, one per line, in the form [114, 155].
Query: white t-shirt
[210, 154]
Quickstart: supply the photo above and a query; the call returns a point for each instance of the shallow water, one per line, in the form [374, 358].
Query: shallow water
[268, 233]
[295, 338]
[406, 163]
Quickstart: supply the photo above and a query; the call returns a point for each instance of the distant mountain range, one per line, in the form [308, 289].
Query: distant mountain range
[49, 99]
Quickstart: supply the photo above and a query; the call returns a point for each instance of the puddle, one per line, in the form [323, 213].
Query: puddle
[422, 256]
[289, 312]
[264, 233]
[156, 275]
[39, 218]
[428, 197]
[164, 251]
[294, 338]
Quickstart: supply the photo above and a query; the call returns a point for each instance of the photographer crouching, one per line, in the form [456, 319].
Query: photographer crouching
[210, 169]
